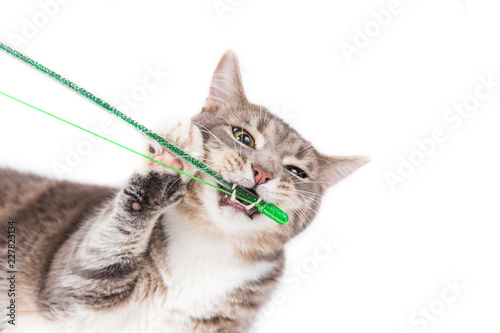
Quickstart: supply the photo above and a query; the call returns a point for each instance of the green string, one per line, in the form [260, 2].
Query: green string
[116, 143]
[249, 197]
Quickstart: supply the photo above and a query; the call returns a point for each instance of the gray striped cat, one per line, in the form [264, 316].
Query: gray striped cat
[164, 253]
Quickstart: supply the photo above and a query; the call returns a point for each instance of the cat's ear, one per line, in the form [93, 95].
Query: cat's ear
[335, 168]
[226, 87]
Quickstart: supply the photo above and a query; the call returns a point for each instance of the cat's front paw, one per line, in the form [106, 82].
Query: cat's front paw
[181, 133]
[154, 187]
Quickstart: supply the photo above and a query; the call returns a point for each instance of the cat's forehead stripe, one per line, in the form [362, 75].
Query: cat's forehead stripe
[262, 123]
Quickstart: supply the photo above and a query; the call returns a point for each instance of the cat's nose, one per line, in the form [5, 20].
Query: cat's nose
[261, 176]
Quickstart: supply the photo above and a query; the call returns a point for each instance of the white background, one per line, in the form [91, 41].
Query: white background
[397, 248]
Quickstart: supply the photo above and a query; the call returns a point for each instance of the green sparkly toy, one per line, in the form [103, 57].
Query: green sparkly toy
[269, 210]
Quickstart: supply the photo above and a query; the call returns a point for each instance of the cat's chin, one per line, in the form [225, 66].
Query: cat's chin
[236, 223]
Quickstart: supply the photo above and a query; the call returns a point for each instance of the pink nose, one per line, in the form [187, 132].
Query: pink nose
[261, 175]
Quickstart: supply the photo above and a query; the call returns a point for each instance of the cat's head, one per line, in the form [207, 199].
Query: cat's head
[255, 149]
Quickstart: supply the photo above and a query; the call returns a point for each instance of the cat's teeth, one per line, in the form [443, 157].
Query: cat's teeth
[250, 206]
[233, 196]
[253, 205]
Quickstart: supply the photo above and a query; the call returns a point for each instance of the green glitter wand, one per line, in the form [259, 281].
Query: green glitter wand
[269, 210]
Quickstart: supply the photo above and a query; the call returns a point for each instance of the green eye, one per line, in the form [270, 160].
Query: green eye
[296, 171]
[243, 136]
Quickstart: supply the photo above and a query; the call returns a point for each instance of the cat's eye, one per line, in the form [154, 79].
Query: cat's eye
[296, 171]
[243, 136]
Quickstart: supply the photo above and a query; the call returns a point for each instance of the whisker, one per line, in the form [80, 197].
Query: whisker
[306, 205]
[304, 219]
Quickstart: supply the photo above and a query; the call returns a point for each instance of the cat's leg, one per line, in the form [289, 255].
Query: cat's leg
[100, 264]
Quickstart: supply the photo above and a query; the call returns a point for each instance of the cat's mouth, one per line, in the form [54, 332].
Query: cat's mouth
[232, 201]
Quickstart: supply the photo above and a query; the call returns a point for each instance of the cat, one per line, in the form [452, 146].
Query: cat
[166, 253]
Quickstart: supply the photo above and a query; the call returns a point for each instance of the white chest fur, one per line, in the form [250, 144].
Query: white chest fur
[202, 270]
